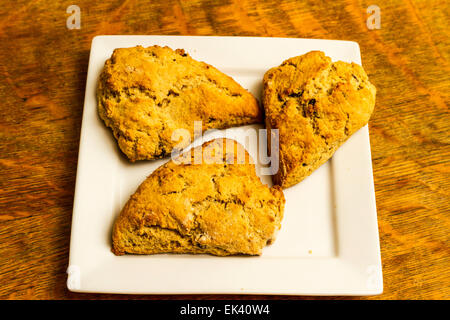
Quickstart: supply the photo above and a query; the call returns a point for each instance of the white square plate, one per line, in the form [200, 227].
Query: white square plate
[328, 243]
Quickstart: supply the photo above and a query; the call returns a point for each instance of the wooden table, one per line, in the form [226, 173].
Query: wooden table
[43, 68]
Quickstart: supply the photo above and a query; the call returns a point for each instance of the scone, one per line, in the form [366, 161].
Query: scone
[316, 105]
[145, 94]
[218, 206]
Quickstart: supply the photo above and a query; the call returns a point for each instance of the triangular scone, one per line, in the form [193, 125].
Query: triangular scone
[316, 105]
[145, 94]
[218, 206]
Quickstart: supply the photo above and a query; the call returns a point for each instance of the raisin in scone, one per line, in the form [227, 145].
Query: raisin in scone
[316, 105]
[145, 94]
[218, 206]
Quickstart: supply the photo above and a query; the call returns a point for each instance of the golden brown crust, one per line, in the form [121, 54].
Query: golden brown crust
[144, 94]
[218, 207]
[316, 105]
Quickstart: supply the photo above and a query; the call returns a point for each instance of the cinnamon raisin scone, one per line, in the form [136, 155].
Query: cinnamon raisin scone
[145, 94]
[316, 105]
[218, 206]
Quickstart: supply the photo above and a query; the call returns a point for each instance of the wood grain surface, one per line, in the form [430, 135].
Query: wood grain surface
[43, 69]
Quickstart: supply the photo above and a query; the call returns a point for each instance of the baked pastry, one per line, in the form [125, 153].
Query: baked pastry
[145, 94]
[218, 206]
[316, 105]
